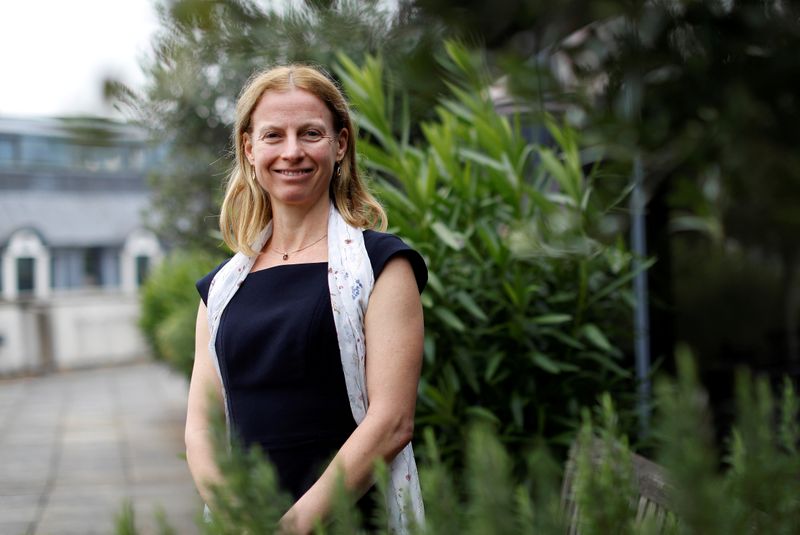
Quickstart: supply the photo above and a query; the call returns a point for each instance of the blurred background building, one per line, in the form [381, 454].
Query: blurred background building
[73, 247]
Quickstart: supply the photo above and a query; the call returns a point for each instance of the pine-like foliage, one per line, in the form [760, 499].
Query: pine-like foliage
[751, 488]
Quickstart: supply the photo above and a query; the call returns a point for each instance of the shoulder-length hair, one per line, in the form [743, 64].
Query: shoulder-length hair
[246, 208]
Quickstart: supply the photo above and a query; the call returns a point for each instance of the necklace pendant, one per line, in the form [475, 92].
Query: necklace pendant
[286, 256]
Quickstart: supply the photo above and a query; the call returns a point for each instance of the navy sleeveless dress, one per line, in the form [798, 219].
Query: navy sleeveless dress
[281, 367]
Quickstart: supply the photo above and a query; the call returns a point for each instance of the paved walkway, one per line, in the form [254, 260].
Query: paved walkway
[75, 445]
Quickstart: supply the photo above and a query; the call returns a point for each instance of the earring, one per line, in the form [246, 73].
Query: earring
[338, 170]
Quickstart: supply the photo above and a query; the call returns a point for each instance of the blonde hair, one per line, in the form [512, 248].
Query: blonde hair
[246, 208]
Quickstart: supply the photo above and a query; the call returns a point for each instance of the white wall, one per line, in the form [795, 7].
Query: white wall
[85, 329]
[95, 328]
[20, 347]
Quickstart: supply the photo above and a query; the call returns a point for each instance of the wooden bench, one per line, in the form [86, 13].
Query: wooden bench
[649, 480]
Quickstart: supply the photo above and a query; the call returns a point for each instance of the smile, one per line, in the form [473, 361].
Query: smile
[293, 172]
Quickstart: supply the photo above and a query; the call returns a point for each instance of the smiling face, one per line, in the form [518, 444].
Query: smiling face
[293, 145]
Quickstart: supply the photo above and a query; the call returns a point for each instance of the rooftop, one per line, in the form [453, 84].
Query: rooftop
[72, 219]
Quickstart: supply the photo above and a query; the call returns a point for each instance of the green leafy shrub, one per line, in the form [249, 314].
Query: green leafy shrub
[756, 493]
[750, 488]
[527, 310]
[169, 307]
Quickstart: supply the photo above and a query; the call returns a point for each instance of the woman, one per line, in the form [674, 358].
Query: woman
[311, 335]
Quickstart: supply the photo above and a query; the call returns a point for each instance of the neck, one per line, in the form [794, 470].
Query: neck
[295, 227]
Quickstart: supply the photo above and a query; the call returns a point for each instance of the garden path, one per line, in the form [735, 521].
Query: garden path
[75, 445]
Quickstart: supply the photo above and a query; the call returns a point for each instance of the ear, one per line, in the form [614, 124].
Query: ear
[248, 147]
[342, 139]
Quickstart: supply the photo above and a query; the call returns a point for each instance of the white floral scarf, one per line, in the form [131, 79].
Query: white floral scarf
[350, 281]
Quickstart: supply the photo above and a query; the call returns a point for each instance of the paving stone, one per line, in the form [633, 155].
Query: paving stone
[75, 446]
[18, 508]
[12, 527]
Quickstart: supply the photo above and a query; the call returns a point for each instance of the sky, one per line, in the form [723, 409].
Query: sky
[55, 54]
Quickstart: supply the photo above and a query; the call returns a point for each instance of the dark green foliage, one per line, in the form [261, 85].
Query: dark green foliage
[705, 93]
[690, 454]
[766, 506]
[344, 519]
[741, 291]
[249, 501]
[162, 524]
[528, 301]
[616, 512]
[169, 307]
[125, 520]
[752, 489]
[756, 491]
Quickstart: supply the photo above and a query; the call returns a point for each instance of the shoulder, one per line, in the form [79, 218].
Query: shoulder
[204, 283]
[382, 247]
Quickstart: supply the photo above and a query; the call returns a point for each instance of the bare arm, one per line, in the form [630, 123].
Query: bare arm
[204, 389]
[394, 332]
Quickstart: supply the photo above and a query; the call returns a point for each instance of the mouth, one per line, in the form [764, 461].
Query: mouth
[293, 173]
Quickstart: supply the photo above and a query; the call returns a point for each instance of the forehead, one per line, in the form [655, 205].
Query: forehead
[295, 106]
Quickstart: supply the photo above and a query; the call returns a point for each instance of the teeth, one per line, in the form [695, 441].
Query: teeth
[293, 173]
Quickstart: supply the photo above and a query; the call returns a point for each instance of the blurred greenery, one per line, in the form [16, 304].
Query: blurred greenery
[750, 488]
[520, 218]
[528, 306]
[169, 306]
[704, 93]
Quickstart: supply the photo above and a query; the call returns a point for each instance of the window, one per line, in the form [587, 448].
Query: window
[26, 267]
[38, 151]
[92, 268]
[8, 151]
[142, 269]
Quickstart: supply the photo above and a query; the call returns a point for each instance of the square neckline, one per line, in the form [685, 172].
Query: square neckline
[325, 262]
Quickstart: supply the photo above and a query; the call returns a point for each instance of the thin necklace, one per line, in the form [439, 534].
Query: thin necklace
[285, 254]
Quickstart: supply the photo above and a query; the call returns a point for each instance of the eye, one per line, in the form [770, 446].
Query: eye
[312, 135]
[270, 137]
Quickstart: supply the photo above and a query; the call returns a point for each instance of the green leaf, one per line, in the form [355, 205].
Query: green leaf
[450, 319]
[482, 159]
[472, 307]
[491, 367]
[435, 283]
[483, 413]
[596, 336]
[606, 362]
[619, 282]
[517, 406]
[490, 241]
[429, 345]
[551, 319]
[426, 299]
[546, 363]
[511, 293]
[562, 337]
[452, 239]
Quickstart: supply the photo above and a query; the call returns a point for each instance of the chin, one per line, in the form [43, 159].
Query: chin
[298, 200]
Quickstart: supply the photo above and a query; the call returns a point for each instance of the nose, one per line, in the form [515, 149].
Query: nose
[292, 148]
